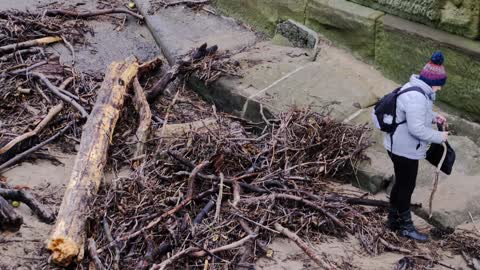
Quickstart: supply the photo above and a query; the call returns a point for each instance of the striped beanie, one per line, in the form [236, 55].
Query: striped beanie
[434, 73]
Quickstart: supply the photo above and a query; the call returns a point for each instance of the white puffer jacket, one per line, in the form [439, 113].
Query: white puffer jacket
[410, 140]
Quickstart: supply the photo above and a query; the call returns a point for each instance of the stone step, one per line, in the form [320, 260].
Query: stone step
[179, 29]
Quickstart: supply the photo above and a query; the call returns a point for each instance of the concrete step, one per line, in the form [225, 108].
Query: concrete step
[178, 29]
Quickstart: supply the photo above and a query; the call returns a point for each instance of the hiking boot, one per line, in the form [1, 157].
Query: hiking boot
[393, 219]
[407, 229]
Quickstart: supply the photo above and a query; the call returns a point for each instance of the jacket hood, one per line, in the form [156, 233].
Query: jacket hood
[415, 81]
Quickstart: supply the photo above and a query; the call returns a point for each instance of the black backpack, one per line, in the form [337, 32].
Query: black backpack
[385, 111]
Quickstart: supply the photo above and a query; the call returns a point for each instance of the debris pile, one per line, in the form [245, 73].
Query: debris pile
[42, 100]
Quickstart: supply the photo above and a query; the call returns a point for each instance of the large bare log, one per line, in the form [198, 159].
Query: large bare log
[68, 236]
[9, 219]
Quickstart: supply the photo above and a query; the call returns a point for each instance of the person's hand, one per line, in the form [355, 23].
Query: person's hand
[440, 119]
[444, 136]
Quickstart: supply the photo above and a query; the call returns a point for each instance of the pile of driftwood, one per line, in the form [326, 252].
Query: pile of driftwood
[42, 100]
[214, 192]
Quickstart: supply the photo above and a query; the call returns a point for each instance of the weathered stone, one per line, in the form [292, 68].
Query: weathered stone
[177, 30]
[462, 19]
[264, 14]
[298, 34]
[418, 10]
[347, 24]
[263, 64]
[459, 17]
[319, 84]
[403, 47]
[375, 174]
[462, 127]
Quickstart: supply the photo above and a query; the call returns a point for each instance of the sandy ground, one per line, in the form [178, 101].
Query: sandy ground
[288, 256]
[47, 182]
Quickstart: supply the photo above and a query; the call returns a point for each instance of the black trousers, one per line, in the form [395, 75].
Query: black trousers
[405, 180]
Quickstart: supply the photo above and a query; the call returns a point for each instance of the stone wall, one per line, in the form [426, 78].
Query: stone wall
[456, 16]
[264, 14]
[397, 46]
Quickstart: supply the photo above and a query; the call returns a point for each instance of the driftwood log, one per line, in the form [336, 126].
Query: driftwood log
[68, 236]
[9, 219]
[43, 213]
[175, 130]
[145, 118]
[27, 44]
[87, 14]
[181, 66]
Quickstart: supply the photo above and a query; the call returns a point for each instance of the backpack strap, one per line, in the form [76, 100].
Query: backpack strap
[410, 89]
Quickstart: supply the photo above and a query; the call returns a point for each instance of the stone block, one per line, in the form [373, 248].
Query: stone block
[375, 174]
[263, 65]
[264, 14]
[347, 24]
[456, 16]
[177, 30]
[404, 47]
[418, 10]
[461, 17]
[298, 34]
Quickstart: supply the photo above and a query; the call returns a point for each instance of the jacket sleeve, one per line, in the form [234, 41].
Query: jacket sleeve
[416, 111]
[434, 117]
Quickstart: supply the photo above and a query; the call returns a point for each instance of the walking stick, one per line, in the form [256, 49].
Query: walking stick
[435, 179]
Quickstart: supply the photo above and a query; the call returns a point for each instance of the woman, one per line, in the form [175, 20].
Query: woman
[410, 141]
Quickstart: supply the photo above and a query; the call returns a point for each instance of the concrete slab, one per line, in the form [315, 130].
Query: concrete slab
[108, 45]
[178, 29]
[262, 65]
[336, 79]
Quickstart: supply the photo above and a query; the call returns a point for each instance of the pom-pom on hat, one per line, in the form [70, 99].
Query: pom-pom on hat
[434, 73]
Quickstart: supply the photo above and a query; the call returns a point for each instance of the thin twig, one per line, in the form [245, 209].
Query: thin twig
[86, 14]
[92, 251]
[51, 114]
[33, 149]
[219, 198]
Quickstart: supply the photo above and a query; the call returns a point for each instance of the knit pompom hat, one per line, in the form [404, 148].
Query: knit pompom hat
[434, 73]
